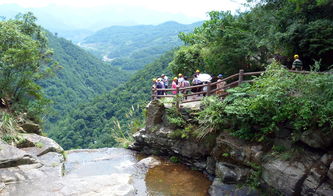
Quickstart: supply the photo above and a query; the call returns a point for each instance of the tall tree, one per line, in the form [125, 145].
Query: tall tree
[24, 59]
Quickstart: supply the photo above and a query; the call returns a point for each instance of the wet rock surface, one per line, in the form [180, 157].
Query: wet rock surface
[108, 171]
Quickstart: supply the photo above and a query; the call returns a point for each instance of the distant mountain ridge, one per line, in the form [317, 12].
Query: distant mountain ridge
[67, 21]
[132, 47]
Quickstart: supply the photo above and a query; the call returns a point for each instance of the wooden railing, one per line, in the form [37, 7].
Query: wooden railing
[211, 87]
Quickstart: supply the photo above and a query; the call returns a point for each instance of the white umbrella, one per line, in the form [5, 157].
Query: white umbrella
[204, 77]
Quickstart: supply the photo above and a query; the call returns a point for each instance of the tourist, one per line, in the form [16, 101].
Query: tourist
[174, 85]
[197, 72]
[196, 82]
[220, 84]
[180, 80]
[160, 85]
[154, 80]
[186, 83]
[165, 80]
[297, 64]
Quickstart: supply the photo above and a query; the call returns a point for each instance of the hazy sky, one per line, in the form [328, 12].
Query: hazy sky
[190, 8]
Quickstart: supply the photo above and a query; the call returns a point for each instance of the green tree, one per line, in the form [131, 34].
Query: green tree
[24, 59]
[249, 40]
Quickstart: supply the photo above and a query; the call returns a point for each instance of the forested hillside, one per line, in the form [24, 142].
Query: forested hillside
[132, 47]
[223, 44]
[81, 78]
[91, 125]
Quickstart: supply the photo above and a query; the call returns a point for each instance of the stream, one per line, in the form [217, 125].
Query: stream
[117, 172]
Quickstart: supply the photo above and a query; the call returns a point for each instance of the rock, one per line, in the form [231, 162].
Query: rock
[30, 127]
[51, 159]
[324, 190]
[229, 173]
[42, 145]
[113, 185]
[327, 159]
[218, 189]
[2, 186]
[159, 142]
[11, 156]
[314, 179]
[236, 151]
[330, 173]
[210, 165]
[22, 173]
[288, 177]
[317, 139]
[148, 163]
[155, 113]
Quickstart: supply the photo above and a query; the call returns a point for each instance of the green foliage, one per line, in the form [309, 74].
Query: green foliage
[123, 134]
[24, 60]
[278, 149]
[89, 125]
[174, 159]
[8, 124]
[81, 78]
[39, 144]
[254, 178]
[276, 99]
[175, 117]
[132, 47]
[13, 139]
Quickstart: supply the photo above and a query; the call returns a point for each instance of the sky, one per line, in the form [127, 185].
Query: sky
[191, 8]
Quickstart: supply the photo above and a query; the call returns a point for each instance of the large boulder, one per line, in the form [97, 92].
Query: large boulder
[155, 112]
[314, 179]
[283, 176]
[236, 151]
[147, 163]
[159, 142]
[39, 145]
[230, 174]
[317, 139]
[289, 176]
[218, 188]
[11, 156]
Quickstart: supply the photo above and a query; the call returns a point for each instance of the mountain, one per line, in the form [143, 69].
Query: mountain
[132, 47]
[67, 20]
[89, 125]
[82, 77]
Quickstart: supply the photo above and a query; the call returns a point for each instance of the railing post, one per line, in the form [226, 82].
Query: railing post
[177, 98]
[209, 87]
[240, 76]
[153, 92]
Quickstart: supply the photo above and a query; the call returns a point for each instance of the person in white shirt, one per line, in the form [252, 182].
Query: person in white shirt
[165, 80]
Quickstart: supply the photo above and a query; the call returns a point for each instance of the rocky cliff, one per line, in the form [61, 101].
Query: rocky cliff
[25, 155]
[305, 168]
